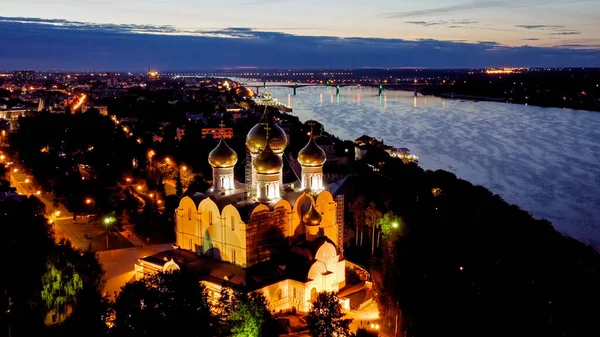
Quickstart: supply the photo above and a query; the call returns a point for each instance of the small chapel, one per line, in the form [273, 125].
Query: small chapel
[282, 240]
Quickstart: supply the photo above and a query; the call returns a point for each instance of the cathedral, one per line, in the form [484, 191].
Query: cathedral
[283, 240]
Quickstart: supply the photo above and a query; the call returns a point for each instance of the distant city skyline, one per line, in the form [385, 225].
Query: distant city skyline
[185, 34]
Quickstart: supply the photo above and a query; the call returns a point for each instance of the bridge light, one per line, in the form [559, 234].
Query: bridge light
[338, 87]
[380, 86]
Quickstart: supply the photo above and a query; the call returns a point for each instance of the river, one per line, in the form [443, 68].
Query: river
[546, 160]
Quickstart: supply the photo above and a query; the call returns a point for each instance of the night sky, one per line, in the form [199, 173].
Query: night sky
[185, 35]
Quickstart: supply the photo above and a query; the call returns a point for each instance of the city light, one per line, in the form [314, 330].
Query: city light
[128, 180]
[159, 202]
[38, 192]
[15, 170]
[151, 195]
[2, 157]
[88, 201]
[395, 225]
[27, 181]
[139, 187]
[184, 168]
[80, 102]
[57, 213]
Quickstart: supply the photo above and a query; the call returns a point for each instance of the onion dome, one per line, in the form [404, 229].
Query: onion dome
[222, 156]
[257, 138]
[268, 162]
[312, 217]
[312, 154]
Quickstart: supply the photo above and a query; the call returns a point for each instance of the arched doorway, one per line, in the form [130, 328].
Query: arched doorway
[313, 294]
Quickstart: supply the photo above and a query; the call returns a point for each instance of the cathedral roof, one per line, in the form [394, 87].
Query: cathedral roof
[222, 155]
[256, 140]
[312, 154]
[268, 162]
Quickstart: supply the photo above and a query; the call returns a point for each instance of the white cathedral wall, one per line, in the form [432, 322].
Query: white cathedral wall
[327, 207]
[205, 230]
[234, 230]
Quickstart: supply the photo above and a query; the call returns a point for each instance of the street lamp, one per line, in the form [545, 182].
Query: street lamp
[107, 221]
[395, 225]
[88, 201]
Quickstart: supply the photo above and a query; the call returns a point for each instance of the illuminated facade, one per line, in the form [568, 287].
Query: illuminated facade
[282, 242]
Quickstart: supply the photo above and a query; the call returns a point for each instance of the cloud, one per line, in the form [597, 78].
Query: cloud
[566, 33]
[531, 39]
[455, 23]
[66, 45]
[539, 26]
[474, 6]
[446, 9]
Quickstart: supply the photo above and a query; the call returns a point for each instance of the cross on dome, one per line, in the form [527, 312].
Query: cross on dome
[312, 124]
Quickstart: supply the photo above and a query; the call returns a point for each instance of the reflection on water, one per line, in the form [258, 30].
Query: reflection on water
[545, 160]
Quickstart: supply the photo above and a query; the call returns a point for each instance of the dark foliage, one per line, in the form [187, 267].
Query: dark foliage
[467, 263]
[326, 318]
[163, 304]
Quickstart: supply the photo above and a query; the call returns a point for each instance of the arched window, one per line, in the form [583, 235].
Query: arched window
[293, 292]
[232, 223]
[189, 213]
[278, 294]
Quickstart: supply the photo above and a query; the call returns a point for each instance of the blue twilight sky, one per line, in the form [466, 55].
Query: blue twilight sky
[194, 34]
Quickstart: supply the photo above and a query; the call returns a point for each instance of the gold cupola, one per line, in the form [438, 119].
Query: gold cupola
[222, 155]
[256, 140]
[268, 162]
[312, 154]
[312, 217]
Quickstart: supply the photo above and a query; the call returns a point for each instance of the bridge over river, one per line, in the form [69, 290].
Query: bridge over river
[407, 85]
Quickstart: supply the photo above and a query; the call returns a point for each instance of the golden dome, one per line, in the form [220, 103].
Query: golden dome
[312, 154]
[312, 217]
[257, 138]
[222, 156]
[268, 162]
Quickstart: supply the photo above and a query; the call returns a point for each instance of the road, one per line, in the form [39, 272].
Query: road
[82, 233]
[119, 264]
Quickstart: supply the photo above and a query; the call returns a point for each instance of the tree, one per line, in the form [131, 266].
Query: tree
[24, 225]
[357, 207]
[245, 314]
[60, 287]
[160, 187]
[172, 303]
[325, 318]
[178, 185]
[372, 216]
